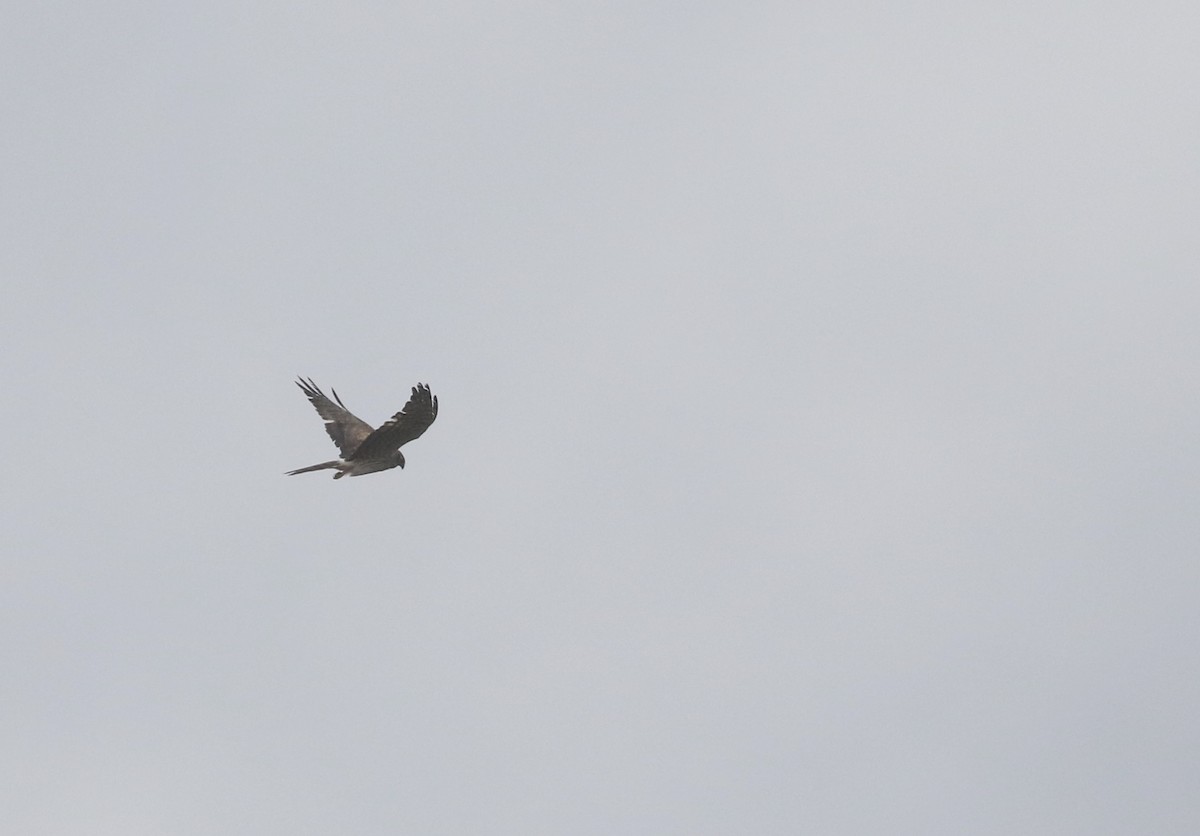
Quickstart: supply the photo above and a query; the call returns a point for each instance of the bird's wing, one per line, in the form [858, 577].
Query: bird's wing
[346, 429]
[402, 427]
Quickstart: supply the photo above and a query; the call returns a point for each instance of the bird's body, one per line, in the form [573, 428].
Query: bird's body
[363, 448]
[353, 468]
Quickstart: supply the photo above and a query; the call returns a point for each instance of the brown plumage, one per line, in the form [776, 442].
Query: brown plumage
[364, 449]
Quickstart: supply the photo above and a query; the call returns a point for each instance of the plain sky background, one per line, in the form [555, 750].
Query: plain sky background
[818, 448]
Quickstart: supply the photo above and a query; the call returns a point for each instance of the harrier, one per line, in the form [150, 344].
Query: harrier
[363, 449]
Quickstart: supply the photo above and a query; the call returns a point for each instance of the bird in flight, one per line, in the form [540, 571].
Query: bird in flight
[364, 449]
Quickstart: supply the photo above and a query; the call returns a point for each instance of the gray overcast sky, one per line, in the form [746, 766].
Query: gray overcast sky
[818, 448]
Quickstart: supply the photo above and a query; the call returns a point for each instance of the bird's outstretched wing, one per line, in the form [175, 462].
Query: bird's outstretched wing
[347, 430]
[402, 427]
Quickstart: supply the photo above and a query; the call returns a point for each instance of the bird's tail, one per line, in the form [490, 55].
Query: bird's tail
[322, 466]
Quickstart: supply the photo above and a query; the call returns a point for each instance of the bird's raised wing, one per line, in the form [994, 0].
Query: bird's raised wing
[402, 427]
[347, 430]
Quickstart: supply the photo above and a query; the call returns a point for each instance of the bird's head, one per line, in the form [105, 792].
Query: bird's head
[399, 460]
